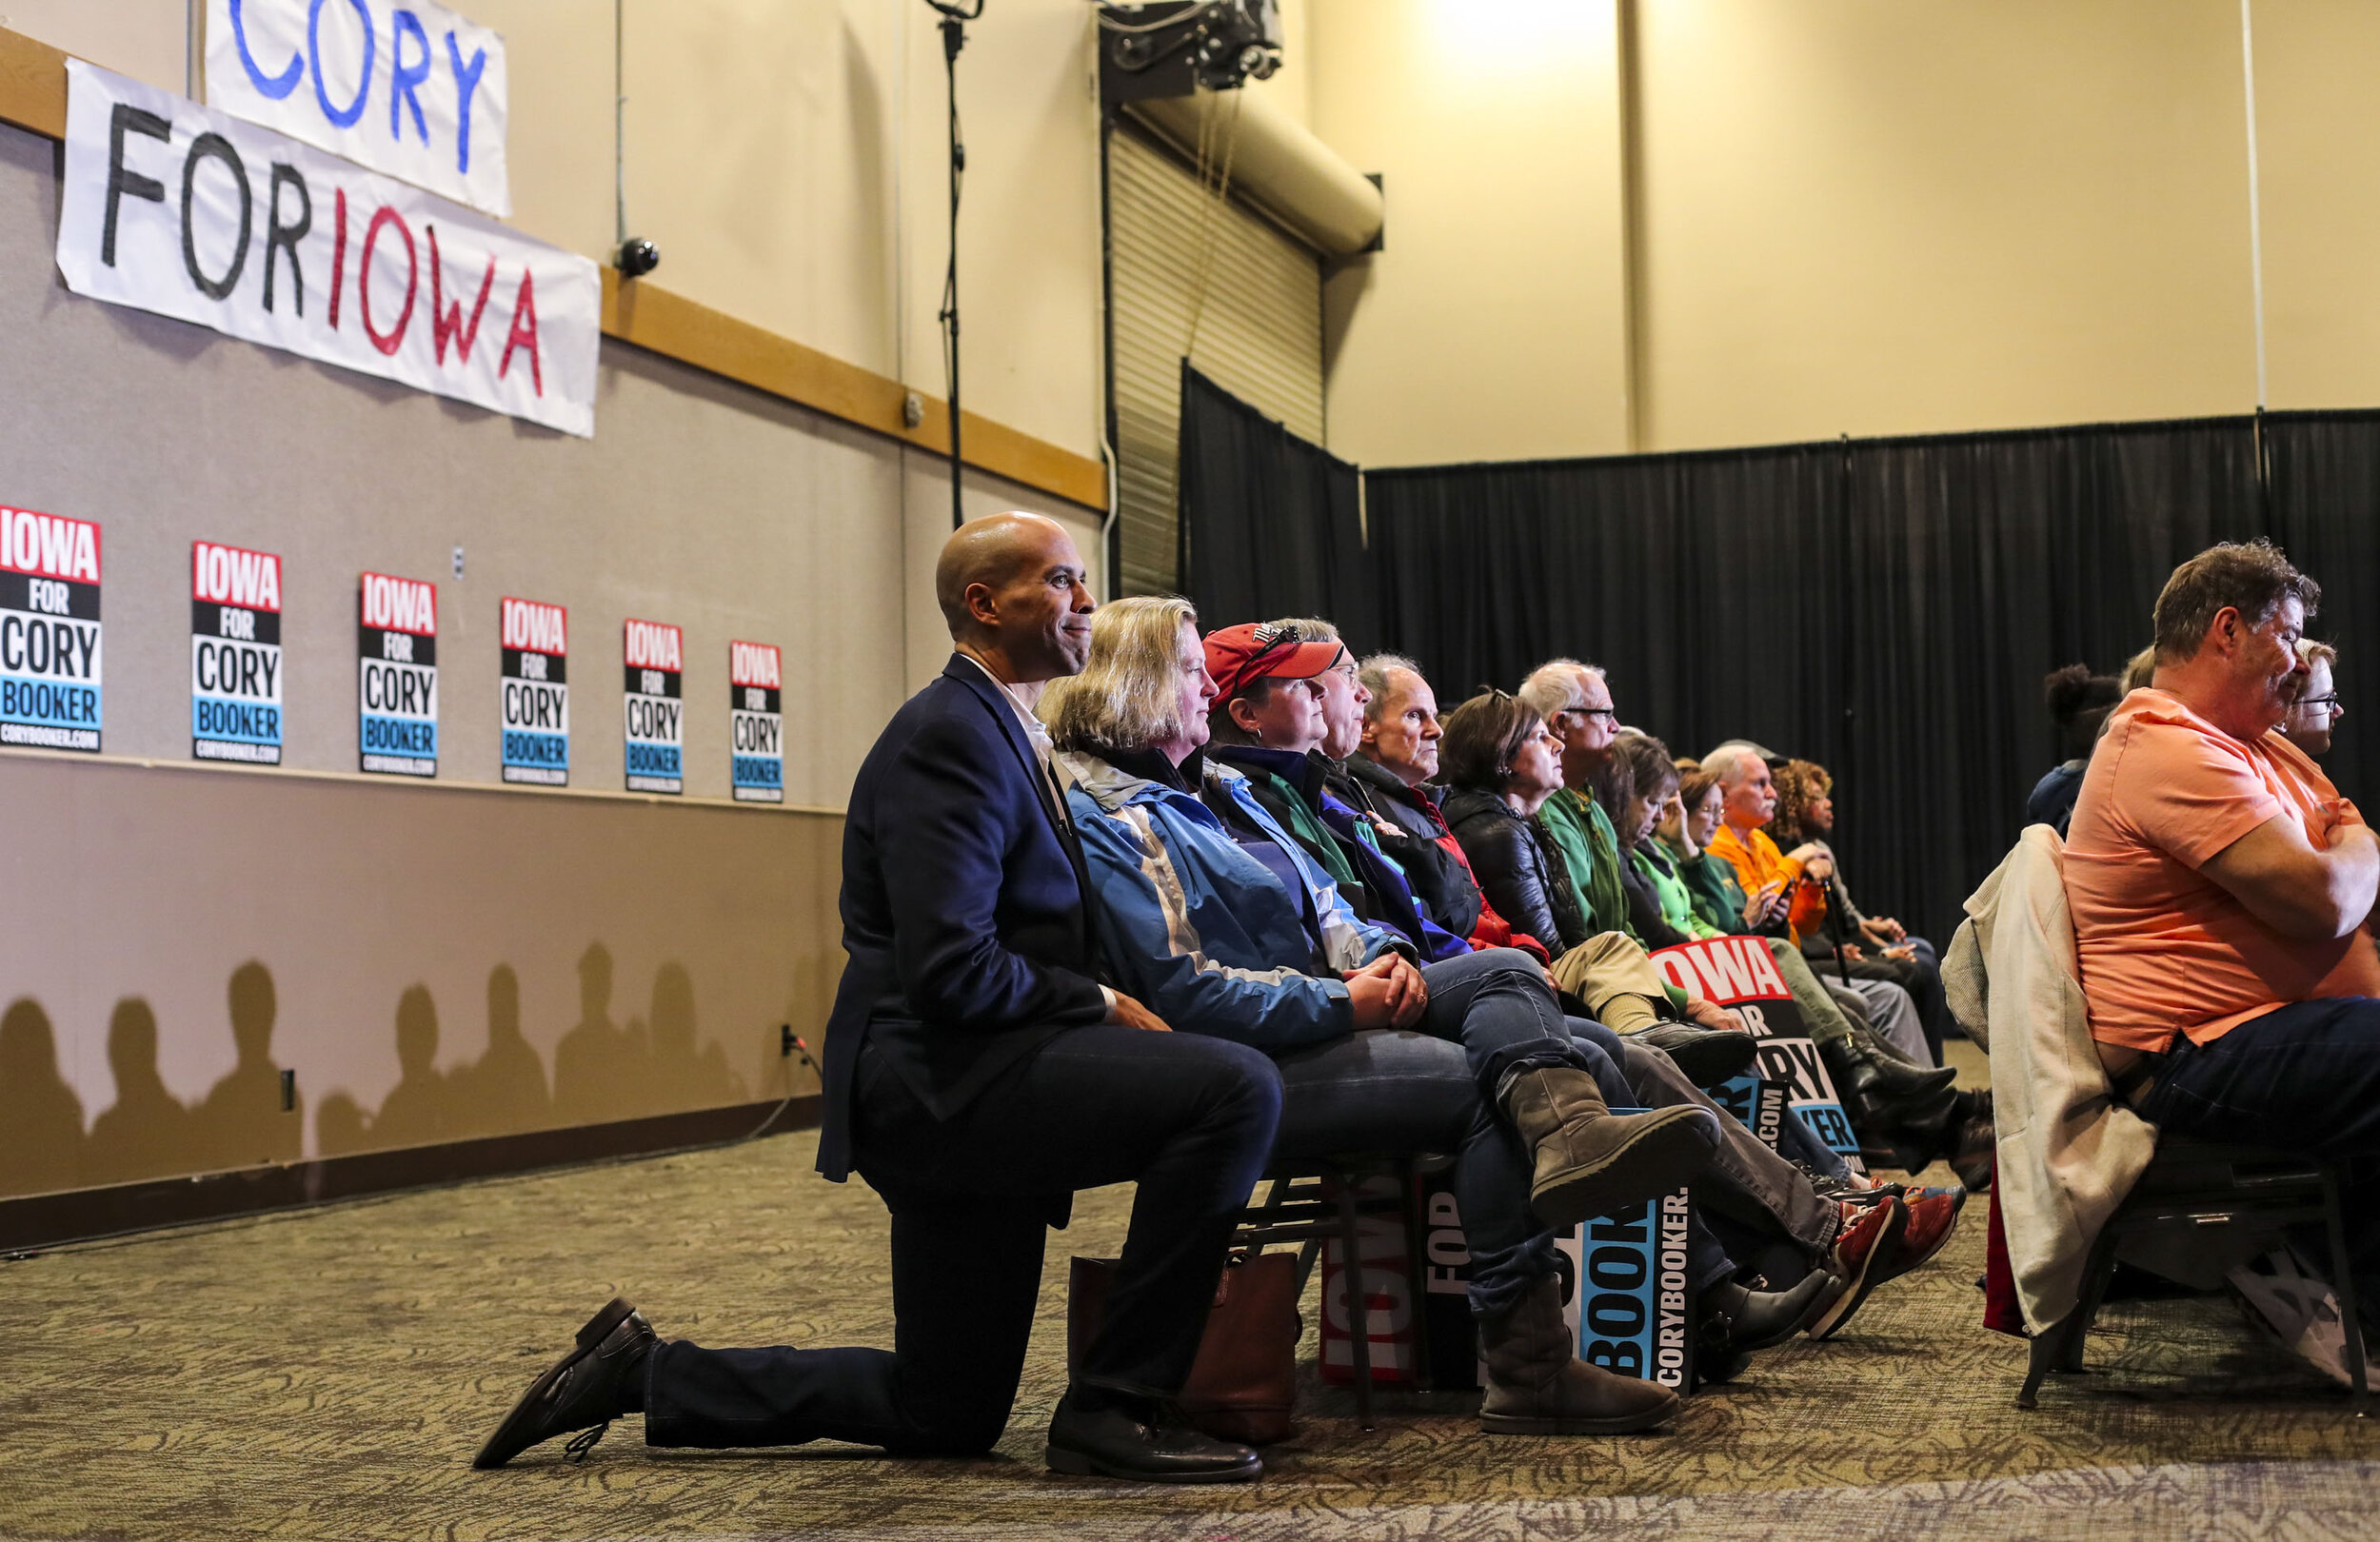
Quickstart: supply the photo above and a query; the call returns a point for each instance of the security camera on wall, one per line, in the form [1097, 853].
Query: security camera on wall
[1168, 49]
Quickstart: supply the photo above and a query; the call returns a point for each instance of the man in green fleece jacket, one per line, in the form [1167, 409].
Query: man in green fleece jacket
[1575, 702]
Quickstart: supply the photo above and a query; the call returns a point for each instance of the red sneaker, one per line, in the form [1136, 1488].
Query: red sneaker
[1869, 1237]
[1932, 1216]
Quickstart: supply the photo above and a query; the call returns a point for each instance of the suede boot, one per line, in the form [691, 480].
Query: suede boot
[1590, 1161]
[1537, 1386]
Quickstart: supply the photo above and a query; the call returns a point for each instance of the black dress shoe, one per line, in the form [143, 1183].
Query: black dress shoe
[1707, 1056]
[1762, 1319]
[1143, 1446]
[583, 1391]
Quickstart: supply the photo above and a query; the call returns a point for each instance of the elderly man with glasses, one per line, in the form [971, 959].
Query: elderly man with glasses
[1575, 702]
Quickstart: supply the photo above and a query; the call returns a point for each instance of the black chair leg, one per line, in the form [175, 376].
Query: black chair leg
[1350, 1285]
[2045, 1346]
[2343, 1277]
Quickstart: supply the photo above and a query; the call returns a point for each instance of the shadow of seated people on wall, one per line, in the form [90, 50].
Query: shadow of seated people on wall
[41, 1120]
[340, 1127]
[242, 1122]
[600, 1069]
[686, 1073]
[414, 1113]
[504, 1093]
[146, 1131]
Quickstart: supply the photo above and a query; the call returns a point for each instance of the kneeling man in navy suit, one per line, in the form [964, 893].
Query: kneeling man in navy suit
[977, 1072]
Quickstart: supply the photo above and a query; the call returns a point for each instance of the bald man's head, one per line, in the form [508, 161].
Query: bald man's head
[1013, 584]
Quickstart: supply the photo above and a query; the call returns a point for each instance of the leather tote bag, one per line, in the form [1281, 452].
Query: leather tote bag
[1244, 1381]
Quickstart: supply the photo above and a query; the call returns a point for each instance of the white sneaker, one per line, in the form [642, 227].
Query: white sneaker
[2299, 1307]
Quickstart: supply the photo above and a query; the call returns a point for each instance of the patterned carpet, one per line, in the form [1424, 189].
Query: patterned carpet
[329, 1375]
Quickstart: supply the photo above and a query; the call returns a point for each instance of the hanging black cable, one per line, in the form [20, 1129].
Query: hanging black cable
[955, 18]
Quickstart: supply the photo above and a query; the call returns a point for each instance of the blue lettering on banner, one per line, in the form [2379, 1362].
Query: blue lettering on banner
[51, 657]
[756, 722]
[397, 677]
[1634, 1316]
[405, 86]
[235, 655]
[653, 655]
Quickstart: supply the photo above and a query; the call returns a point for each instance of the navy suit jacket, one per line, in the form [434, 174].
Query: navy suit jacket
[963, 908]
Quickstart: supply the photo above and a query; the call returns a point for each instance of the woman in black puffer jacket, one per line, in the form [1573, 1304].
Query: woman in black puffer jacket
[1501, 763]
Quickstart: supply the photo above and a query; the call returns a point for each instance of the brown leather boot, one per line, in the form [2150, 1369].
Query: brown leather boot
[1591, 1160]
[1536, 1386]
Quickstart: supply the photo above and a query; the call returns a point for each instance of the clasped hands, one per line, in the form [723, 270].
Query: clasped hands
[1386, 993]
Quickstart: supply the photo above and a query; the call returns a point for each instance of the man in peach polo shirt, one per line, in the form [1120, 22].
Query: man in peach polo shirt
[2219, 885]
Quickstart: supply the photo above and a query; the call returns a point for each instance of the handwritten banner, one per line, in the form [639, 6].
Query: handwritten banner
[171, 207]
[410, 89]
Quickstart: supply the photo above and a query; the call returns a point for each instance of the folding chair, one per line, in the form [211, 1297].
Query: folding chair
[1309, 1201]
[2194, 1186]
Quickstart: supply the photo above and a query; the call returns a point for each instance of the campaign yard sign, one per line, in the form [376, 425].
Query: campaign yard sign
[534, 675]
[1739, 972]
[236, 654]
[1626, 1297]
[405, 86]
[757, 719]
[1635, 1307]
[171, 207]
[655, 654]
[397, 675]
[51, 659]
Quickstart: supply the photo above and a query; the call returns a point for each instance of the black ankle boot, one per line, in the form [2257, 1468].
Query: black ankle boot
[1888, 1090]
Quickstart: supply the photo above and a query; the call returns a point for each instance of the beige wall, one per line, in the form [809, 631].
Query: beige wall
[2318, 125]
[1854, 216]
[1490, 326]
[787, 156]
[1898, 216]
[434, 962]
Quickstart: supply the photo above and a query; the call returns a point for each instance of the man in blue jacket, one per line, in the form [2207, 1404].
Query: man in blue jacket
[977, 1074]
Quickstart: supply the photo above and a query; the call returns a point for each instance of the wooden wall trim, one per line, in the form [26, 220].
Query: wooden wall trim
[41, 1220]
[636, 311]
[32, 96]
[458, 784]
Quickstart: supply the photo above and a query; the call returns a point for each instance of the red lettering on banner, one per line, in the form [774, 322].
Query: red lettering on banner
[753, 663]
[653, 646]
[338, 257]
[48, 546]
[395, 338]
[536, 626]
[398, 604]
[1726, 970]
[447, 321]
[230, 575]
[524, 334]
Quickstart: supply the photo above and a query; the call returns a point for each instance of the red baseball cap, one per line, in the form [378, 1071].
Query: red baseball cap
[1240, 656]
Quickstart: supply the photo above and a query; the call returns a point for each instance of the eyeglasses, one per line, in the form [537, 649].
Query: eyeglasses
[2329, 704]
[1588, 712]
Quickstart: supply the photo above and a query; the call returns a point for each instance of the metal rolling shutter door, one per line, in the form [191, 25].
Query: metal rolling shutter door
[1261, 337]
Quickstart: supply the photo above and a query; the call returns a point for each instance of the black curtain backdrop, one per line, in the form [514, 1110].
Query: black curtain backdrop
[1271, 525]
[1885, 606]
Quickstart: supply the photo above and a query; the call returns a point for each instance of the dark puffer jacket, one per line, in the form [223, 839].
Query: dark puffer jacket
[1439, 880]
[1522, 876]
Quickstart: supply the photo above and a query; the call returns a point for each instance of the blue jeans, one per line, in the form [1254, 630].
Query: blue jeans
[2303, 1078]
[1433, 1089]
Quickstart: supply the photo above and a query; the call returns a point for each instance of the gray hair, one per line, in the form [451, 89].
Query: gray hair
[1128, 696]
[1373, 674]
[1553, 686]
[1731, 763]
